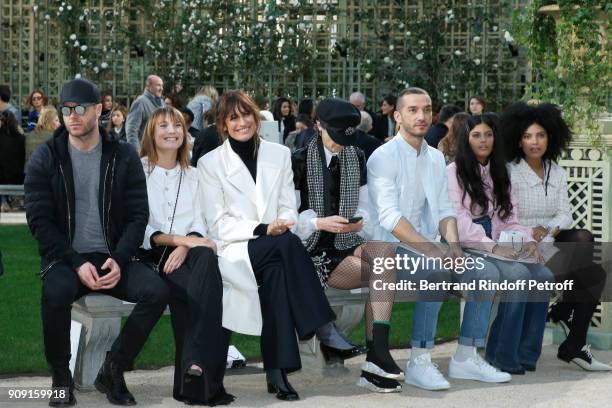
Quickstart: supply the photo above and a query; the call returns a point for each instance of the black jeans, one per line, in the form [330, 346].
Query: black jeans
[291, 298]
[138, 284]
[196, 310]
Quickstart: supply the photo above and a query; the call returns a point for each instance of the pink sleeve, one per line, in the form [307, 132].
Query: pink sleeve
[471, 235]
[511, 224]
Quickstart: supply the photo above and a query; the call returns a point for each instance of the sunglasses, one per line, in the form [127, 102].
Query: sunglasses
[79, 109]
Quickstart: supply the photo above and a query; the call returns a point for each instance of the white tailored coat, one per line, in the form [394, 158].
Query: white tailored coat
[233, 205]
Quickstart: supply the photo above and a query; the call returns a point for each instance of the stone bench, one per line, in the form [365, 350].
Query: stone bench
[100, 316]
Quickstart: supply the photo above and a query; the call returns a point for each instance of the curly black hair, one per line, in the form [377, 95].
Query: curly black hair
[468, 169]
[515, 120]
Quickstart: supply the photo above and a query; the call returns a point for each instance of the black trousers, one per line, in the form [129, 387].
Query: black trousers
[291, 298]
[575, 261]
[196, 311]
[138, 284]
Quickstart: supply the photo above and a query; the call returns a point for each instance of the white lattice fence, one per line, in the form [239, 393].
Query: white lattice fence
[589, 172]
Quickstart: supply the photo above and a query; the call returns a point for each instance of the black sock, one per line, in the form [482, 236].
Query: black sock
[379, 353]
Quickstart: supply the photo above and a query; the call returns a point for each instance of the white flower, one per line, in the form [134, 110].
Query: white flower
[476, 39]
[35, 8]
[81, 18]
[452, 86]
[290, 31]
[72, 37]
[401, 26]
[445, 94]
[422, 42]
[104, 65]
[477, 61]
[368, 61]
[458, 53]
[449, 12]
[77, 76]
[385, 22]
[83, 48]
[508, 37]
[76, 44]
[391, 47]
[61, 9]
[495, 66]
[408, 33]
[69, 7]
[368, 76]
[419, 56]
[294, 3]
[494, 28]
[47, 17]
[96, 69]
[301, 26]
[84, 62]
[387, 60]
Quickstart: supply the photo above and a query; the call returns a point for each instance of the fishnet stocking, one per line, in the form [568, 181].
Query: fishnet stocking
[356, 271]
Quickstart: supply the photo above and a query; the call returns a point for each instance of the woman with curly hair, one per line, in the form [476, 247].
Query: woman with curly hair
[479, 187]
[536, 137]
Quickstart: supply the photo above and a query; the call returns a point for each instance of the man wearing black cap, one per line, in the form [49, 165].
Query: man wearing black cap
[330, 174]
[86, 204]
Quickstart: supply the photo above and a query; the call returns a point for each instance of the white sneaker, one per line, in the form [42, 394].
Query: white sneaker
[585, 360]
[476, 368]
[424, 374]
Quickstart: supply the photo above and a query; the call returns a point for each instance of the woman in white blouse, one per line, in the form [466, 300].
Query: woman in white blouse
[177, 247]
[536, 136]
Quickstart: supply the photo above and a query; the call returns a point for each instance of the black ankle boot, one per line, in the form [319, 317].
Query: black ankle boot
[379, 360]
[63, 389]
[110, 381]
[278, 383]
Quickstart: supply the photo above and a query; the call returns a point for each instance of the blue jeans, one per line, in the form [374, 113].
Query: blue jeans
[477, 309]
[517, 332]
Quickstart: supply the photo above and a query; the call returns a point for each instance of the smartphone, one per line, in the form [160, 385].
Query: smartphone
[354, 220]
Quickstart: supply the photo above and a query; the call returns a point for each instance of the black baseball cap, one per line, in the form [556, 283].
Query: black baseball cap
[80, 91]
[339, 118]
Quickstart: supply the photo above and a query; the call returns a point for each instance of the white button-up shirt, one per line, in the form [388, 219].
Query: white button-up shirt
[538, 205]
[162, 185]
[392, 176]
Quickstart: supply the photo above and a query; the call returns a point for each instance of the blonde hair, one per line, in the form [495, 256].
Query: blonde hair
[148, 147]
[45, 120]
[209, 91]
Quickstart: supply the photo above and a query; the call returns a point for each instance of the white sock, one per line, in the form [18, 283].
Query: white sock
[464, 352]
[416, 352]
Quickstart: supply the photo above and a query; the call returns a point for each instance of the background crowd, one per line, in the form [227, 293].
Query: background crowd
[25, 126]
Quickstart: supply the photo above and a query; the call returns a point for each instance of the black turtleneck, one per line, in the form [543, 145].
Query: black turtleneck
[245, 151]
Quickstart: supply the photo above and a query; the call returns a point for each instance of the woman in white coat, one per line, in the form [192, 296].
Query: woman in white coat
[176, 246]
[249, 204]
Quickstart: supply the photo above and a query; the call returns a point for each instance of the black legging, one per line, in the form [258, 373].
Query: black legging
[575, 261]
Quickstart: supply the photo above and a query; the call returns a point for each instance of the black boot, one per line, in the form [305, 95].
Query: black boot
[278, 383]
[379, 360]
[110, 381]
[63, 389]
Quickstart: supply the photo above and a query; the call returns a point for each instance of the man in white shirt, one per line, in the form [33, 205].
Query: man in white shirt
[409, 196]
